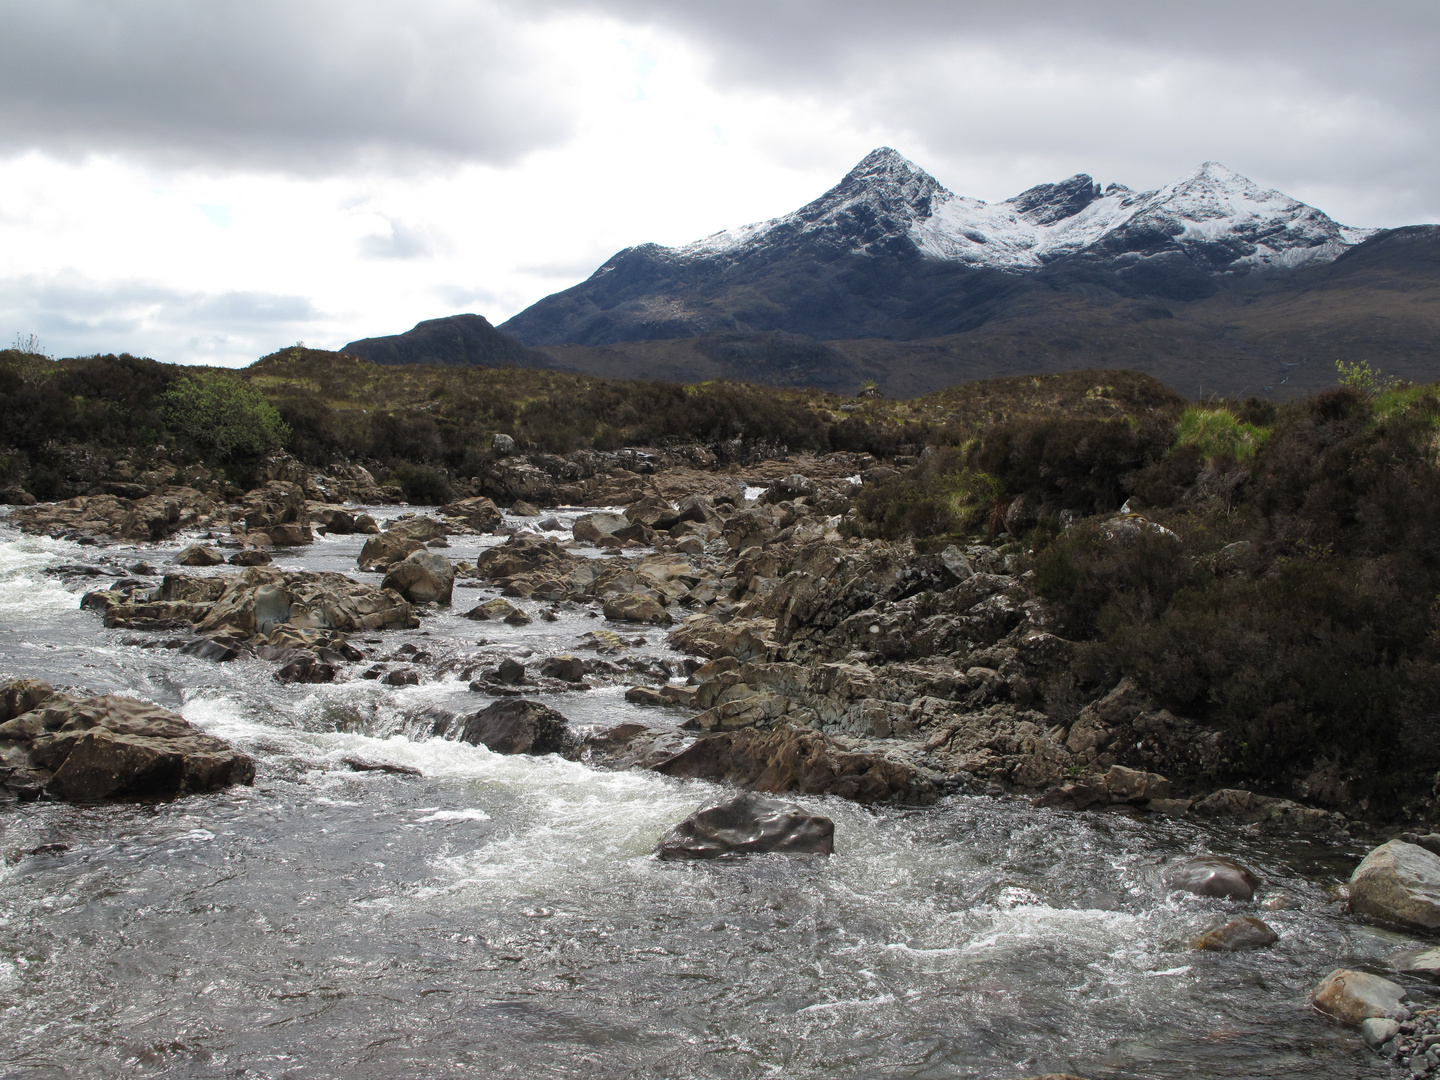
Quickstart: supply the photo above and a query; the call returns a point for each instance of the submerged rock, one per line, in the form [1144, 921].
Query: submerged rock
[1354, 996]
[85, 749]
[748, 825]
[1207, 875]
[1238, 935]
[1398, 883]
[1422, 962]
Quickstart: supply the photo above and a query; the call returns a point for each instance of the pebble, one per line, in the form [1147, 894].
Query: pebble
[1413, 1045]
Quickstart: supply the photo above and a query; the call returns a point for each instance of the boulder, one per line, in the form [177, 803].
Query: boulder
[707, 636]
[1207, 875]
[419, 528]
[422, 577]
[1423, 963]
[517, 726]
[521, 508]
[788, 489]
[496, 610]
[1378, 1030]
[84, 749]
[1398, 883]
[257, 600]
[1135, 785]
[630, 607]
[479, 513]
[510, 671]
[18, 696]
[197, 555]
[291, 534]
[383, 550]
[799, 760]
[748, 824]
[250, 557]
[503, 444]
[1238, 935]
[566, 668]
[589, 528]
[1354, 996]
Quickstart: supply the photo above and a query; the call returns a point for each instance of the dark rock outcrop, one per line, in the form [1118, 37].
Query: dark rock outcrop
[748, 825]
[1206, 875]
[517, 726]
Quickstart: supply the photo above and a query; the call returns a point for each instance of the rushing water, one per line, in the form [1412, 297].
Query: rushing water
[504, 917]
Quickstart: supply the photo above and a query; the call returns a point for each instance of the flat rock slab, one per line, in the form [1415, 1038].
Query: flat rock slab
[1422, 962]
[748, 825]
[1398, 883]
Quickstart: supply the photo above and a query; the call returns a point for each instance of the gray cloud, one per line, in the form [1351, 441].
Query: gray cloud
[403, 241]
[74, 316]
[276, 84]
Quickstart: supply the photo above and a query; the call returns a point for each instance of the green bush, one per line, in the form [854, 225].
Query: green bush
[1219, 433]
[227, 419]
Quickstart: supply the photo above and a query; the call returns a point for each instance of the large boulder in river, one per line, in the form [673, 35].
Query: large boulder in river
[631, 607]
[199, 555]
[748, 825]
[384, 550]
[799, 760]
[419, 528]
[259, 599]
[1207, 875]
[1354, 996]
[422, 577]
[479, 513]
[517, 726]
[85, 749]
[589, 528]
[1398, 883]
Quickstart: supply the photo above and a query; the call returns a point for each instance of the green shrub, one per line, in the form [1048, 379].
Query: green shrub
[227, 419]
[1219, 433]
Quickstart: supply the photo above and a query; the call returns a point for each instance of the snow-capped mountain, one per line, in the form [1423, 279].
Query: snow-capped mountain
[886, 197]
[890, 252]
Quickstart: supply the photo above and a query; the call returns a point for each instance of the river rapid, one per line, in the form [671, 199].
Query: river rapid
[504, 916]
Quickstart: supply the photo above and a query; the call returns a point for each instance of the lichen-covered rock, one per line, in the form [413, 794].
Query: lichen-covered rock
[748, 825]
[1398, 883]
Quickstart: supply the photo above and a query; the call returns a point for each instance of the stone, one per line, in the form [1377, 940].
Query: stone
[251, 557]
[422, 577]
[290, 535]
[1135, 785]
[1424, 963]
[383, 550]
[788, 489]
[1238, 935]
[630, 607]
[1207, 875]
[401, 677]
[705, 635]
[1429, 841]
[86, 749]
[566, 668]
[197, 555]
[510, 671]
[1398, 883]
[19, 696]
[956, 564]
[1355, 996]
[1378, 1030]
[419, 528]
[521, 508]
[497, 610]
[748, 825]
[306, 669]
[517, 726]
[589, 528]
[801, 761]
[479, 513]
[502, 444]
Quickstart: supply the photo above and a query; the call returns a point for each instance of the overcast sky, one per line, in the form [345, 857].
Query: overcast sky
[206, 182]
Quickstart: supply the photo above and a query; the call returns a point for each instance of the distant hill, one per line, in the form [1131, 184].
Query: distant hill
[458, 339]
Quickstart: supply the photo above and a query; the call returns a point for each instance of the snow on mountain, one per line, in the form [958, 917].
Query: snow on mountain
[1220, 219]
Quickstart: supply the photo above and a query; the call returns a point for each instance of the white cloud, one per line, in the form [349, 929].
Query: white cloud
[209, 182]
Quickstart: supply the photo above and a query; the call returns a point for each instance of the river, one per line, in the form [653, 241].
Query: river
[504, 916]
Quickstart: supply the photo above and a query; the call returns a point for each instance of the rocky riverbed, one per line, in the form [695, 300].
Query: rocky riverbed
[470, 727]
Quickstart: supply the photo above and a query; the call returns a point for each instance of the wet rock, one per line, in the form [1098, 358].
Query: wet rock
[567, 668]
[19, 696]
[517, 726]
[197, 555]
[1354, 996]
[251, 557]
[422, 577]
[590, 528]
[497, 610]
[91, 748]
[798, 760]
[385, 549]
[510, 671]
[366, 524]
[521, 508]
[401, 677]
[209, 649]
[748, 825]
[1423, 963]
[1237, 804]
[1238, 935]
[1207, 875]
[306, 669]
[1378, 1030]
[630, 607]
[1398, 883]
[549, 524]
[363, 765]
